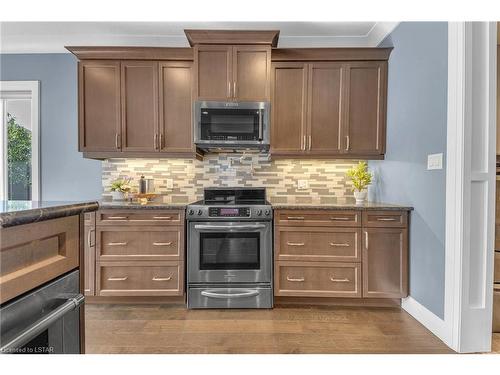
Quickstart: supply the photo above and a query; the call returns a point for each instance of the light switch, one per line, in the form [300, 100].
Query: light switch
[435, 161]
[170, 183]
[302, 184]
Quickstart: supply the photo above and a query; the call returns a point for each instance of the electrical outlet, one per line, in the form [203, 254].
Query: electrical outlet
[435, 161]
[170, 183]
[302, 184]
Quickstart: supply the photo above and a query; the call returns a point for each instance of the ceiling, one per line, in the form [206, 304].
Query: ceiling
[51, 37]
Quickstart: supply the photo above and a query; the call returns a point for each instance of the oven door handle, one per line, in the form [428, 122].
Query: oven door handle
[229, 227]
[250, 293]
[42, 324]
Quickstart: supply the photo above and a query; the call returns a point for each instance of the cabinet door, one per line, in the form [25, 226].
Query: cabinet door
[176, 107]
[366, 96]
[251, 73]
[385, 262]
[213, 67]
[99, 105]
[139, 105]
[288, 108]
[324, 108]
[498, 101]
[89, 254]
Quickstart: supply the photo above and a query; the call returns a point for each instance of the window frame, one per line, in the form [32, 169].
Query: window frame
[31, 90]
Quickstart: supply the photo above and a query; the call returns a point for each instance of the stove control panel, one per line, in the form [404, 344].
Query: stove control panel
[229, 211]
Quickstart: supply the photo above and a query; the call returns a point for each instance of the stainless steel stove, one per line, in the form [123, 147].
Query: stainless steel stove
[229, 249]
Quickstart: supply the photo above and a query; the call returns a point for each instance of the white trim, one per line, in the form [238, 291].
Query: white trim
[379, 32]
[431, 321]
[33, 87]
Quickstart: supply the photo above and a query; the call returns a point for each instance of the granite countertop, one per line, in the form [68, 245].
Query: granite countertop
[305, 203]
[159, 203]
[14, 213]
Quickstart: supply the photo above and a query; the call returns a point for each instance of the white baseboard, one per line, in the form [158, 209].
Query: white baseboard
[427, 318]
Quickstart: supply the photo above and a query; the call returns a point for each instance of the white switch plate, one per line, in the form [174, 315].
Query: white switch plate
[435, 161]
[302, 184]
[170, 183]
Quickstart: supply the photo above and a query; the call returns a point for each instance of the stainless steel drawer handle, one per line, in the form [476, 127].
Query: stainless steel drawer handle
[162, 243]
[162, 217]
[295, 243]
[339, 244]
[117, 244]
[117, 278]
[250, 293]
[42, 324]
[288, 278]
[340, 218]
[117, 217]
[295, 217]
[386, 219]
[162, 278]
[332, 279]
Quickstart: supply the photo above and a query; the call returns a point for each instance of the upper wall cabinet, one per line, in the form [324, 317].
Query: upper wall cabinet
[232, 72]
[99, 106]
[331, 109]
[135, 107]
[139, 105]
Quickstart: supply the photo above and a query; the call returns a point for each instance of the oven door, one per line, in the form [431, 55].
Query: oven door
[231, 124]
[230, 252]
[44, 321]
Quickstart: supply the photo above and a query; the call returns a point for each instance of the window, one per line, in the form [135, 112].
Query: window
[19, 140]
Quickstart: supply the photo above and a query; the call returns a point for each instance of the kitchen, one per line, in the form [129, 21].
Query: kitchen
[233, 179]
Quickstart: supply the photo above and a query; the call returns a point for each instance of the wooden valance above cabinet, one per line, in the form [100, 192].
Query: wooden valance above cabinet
[325, 102]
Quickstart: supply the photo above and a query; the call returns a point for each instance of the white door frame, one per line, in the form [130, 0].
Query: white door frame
[470, 191]
[31, 89]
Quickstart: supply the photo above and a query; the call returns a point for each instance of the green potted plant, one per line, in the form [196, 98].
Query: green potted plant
[119, 188]
[361, 178]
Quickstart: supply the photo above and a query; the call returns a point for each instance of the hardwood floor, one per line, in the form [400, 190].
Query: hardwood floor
[495, 344]
[290, 329]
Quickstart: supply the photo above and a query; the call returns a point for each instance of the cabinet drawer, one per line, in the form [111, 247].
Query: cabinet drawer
[329, 218]
[318, 279]
[140, 243]
[34, 253]
[385, 218]
[496, 275]
[318, 244]
[140, 279]
[140, 217]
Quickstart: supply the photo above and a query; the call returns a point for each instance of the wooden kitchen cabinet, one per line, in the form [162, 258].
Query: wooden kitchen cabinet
[365, 114]
[288, 108]
[341, 253]
[139, 252]
[89, 253]
[232, 72]
[139, 106]
[176, 125]
[324, 115]
[329, 109]
[385, 262]
[99, 105]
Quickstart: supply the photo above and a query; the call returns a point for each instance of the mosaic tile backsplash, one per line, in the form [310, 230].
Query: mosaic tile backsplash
[326, 178]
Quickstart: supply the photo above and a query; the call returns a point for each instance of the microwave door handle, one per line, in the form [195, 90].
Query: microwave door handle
[260, 125]
[42, 324]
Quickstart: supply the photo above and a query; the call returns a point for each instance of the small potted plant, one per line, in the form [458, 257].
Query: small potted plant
[119, 188]
[361, 178]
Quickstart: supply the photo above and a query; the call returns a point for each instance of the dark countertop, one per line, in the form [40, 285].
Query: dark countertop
[14, 213]
[307, 203]
[159, 203]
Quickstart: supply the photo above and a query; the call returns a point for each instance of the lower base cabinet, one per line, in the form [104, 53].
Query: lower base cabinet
[354, 254]
[135, 252]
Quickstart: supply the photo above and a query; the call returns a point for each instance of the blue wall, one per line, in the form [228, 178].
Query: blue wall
[416, 127]
[65, 174]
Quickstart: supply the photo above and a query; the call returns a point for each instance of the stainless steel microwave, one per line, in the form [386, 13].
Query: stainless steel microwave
[231, 126]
